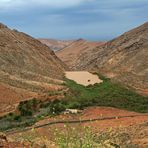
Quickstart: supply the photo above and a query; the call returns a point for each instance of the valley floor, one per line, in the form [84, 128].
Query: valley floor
[83, 77]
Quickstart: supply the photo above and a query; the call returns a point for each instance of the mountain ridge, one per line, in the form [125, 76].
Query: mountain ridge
[54, 44]
[70, 54]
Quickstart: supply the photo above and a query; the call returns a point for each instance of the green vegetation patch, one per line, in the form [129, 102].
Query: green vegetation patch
[78, 96]
[30, 112]
[104, 94]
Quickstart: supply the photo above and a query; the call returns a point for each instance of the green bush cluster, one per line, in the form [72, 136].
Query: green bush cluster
[53, 93]
[27, 107]
[56, 107]
[104, 94]
[31, 111]
[78, 97]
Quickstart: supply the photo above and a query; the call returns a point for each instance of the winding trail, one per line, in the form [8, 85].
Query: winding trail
[71, 122]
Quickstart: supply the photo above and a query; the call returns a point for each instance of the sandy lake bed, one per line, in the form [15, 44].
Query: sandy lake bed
[83, 77]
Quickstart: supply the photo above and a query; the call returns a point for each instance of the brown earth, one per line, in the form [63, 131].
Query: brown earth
[70, 54]
[27, 68]
[11, 96]
[21, 54]
[56, 45]
[124, 59]
[30, 69]
[83, 77]
[13, 145]
[96, 112]
[136, 126]
[7, 143]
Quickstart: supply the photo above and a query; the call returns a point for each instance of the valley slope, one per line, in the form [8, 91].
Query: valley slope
[27, 67]
[124, 59]
[56, 45]
[70, 54]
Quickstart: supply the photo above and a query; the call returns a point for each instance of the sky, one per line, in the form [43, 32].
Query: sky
[73, 19]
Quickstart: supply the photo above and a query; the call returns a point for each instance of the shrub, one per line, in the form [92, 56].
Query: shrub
[17, 117]
[84, 137]
[27, 108]
[104, 94]
[56, 107]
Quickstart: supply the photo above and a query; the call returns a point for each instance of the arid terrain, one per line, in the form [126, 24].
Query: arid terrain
[56, 45]
[27, 68]
[73, 73]
[81, 84]
[124, 59]
[70, 54]
[136, 125]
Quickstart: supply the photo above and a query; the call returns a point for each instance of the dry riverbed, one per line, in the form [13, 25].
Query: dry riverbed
[83, 77]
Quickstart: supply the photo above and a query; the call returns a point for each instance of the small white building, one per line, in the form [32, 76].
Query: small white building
[72, 111]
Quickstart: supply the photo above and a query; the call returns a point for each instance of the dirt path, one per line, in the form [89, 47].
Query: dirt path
[74, 121]
[100, 119]
[83, 77]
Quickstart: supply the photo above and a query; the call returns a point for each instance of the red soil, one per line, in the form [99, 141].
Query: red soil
[128, 124]
[9, 97]
[96, 112]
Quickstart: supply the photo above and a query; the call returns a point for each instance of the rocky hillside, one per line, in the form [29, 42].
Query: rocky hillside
[124, 59]
[56, 45]
[20, 53]
[27, 67]
[70, 54]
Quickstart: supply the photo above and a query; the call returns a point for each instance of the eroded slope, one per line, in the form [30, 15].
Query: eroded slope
[125, 59]
[27, 67]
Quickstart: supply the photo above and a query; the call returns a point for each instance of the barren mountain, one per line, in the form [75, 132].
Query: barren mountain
[56, 45]
[27, 67]
[70, 54]
[124, 59]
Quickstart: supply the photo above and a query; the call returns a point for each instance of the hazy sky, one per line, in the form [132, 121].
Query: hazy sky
[71, 19]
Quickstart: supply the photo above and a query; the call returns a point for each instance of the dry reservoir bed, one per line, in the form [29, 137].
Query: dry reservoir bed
[83, 77]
